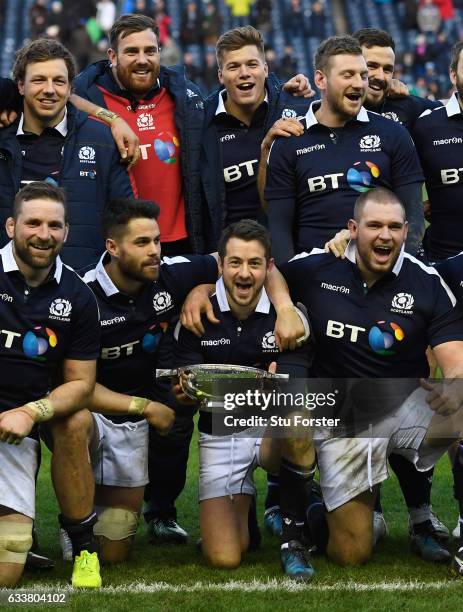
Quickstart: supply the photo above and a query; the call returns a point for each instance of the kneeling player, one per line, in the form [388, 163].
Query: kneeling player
[245, 337]
[43, 342]
[352, 326]
[137, 296]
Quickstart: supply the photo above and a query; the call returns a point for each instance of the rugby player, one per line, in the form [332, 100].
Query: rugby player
[378, 49]
[377, 281]
[52, 141]
[137, 297]
[313, 180]
[244, 336]
[249, 104]
[438, 136]
[51, 333]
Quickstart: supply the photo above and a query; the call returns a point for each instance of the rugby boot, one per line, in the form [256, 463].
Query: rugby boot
[166, 531]
[296, 562]
[86, 571]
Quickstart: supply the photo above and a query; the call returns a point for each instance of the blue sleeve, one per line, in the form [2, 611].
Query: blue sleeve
[294, 272]
[281, 176]
[446, 324]
[182, 274]
[85, 340]
[281, 215]
[119, 184]
[187, 347]
[406, 166]
[10, 97]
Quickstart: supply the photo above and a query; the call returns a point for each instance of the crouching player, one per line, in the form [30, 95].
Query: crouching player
[244, 337]
[137, 297]
[51, 331]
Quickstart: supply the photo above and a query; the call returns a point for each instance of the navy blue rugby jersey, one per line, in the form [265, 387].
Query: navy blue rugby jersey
[325, 170]
[42, 326]
[451, 270]
[240, 145]
[380, 332]
[132, 326]
[248, 343]
[404, 110]
[438, 136]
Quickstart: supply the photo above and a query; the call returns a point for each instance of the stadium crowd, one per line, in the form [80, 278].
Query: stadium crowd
[143, 226]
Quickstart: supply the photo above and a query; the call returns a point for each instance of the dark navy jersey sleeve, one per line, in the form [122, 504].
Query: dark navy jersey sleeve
[182, 273]
[446, 324]
[451, 270]
[281, 170]
[298, 269]
[187, 347]
[9, 95]
[85, 340]
[406, 166]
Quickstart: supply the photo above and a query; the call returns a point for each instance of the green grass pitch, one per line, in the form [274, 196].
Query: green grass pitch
[176, 578]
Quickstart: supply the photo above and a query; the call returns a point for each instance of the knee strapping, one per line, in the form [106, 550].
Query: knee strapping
[15, 541]
[116, 524]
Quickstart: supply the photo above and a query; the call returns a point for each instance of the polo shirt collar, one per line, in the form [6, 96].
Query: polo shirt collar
[312, 120]
[452, 107]
[263, 305]
[352, 249]
[221, 103]
[103, 277]
[61, 127]
[10, 265]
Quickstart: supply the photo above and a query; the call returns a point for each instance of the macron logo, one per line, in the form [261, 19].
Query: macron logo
[337, 288]
[219, 342]
[317, 147]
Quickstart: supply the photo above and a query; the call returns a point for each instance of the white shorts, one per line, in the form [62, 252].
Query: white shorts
[119, 452]
[350, 466]
[18, 467]
[227, 463]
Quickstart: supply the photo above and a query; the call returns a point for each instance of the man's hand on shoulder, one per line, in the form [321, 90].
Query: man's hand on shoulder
[7, 118]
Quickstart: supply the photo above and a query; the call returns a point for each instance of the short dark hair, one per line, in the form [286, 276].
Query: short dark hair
[381, 195]
[335, 45]
[235, 39]
[455, 55]
[117, 214]
[39, 190]
[372, 37]
[247, 230]
[129, 24]
[42, 50]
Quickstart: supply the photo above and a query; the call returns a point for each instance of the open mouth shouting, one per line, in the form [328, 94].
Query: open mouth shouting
[382, 253]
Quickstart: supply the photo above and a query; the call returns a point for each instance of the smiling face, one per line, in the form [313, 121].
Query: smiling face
[243, 73]
[380, 63]
[244, 270]
[344, 84]
[38, 233]
[380, 233]
[136, 62]
[136, 250]
[46, 90]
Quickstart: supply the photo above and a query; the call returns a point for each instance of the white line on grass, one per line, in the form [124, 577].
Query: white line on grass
[255, 586]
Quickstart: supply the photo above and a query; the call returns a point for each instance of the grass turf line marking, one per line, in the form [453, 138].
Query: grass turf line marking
[254, 586]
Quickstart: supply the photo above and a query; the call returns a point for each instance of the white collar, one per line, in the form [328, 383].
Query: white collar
[221, 104]
[452, 107]
[311, 120]
[10, 265]
[352, 249]
[263, 304]
[62, 126]
[103, 277]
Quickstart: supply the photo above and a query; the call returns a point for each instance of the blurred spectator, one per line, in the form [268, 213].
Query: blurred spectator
[317, 21]
[163, 20]
[80, 45]
[441, 53]
[142, 7]
[421, 56]
[56, 22]
[264, 15]
[191, 68]
[411, 7]
[428, 17]
[241, 11]
[212, 24]
[190, 32]
[446, 9]
[288, 64]
[209, 75]
[272, 61]
[105, 14]
[293, 19]
[420, 88]
[170, 52]
[38, 14]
